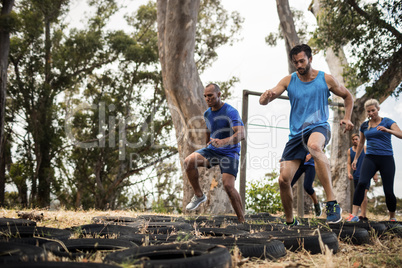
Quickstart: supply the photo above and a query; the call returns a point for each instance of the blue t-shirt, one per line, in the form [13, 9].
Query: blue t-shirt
[220, 123]
[309, 104]
[378, 142]
[356, 173]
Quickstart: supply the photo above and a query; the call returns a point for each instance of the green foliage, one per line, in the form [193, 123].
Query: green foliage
[89, 103]
[263, 195]
[301, 27]
[372, 36]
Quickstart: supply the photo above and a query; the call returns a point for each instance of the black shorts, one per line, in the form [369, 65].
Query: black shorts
[296, 148]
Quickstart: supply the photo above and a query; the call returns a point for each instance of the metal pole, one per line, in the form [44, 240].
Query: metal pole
[243, 151]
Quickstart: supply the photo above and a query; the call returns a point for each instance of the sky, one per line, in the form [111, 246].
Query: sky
[260, 67]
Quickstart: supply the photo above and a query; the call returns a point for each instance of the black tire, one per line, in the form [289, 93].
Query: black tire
[160, 227]
[11, 232]
[60, 265]
[205, 223]
[297, 238]
[87, 247]
[34, 241]
[193, 255]
[112, 219]
[250, 247]
[105, 231]
[370, 226]
[221, 232]
[16, 222]
[157, 239]
[257, 227]
[264, 216]
[15, 252]
[393, 227]
[354, 235]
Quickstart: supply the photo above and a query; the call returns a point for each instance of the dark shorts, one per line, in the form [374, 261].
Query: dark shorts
[227, 164]
[296, 148]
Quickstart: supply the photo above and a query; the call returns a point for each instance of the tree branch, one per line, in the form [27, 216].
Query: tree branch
[379, 21]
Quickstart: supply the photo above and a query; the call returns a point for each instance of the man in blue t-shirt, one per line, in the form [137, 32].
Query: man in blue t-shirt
[308, 90]
[225, 130]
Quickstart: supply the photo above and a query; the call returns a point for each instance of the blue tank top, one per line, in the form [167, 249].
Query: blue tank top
[356, 173]
[309, 104]
[378, 142]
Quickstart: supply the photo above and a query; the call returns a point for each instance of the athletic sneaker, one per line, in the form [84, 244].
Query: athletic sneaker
[333, 212]
[294, 223]
[196, 202]
[392, 219]
[361, 218]
[317, 209]
[352, 218]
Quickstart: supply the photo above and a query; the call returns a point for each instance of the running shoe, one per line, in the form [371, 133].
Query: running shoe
[333, 212]
[196, 202]
[392, 219]
[294, 223]
[352, 218]
[361, 218]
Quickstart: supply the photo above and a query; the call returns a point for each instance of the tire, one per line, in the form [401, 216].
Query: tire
[264, 216]
[370, 226]
[257, 227]
[250, 247]
[112, 219]
[34, 241]
[31, 231]
[158, 239]
[193, 255]
[16, 222]
[105, 231]
[205, 223]
[221, 232]
[86, 247]
[297, 238]
[354, 235]
[59, 265]
[15, 252]
[161, 227]
[393, 227]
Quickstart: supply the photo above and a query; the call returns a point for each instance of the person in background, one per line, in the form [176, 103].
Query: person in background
[355, 174]
[377, 131]
[225, 130]
[309, 174]
[308, 90]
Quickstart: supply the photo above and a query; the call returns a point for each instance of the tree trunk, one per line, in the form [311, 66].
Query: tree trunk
[340, 141]
[288, 29]
[4, 50]
[184, 92]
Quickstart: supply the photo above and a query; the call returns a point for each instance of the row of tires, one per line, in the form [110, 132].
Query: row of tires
[154, 239]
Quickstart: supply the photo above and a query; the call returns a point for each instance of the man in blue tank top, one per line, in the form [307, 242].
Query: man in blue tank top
[308, 92]
[225, 130]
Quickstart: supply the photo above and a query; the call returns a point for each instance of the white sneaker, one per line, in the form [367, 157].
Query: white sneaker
[196, 202]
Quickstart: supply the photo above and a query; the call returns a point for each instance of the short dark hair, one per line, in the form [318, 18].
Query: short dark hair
[216, 87]
[300, 48]
[355, 135]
